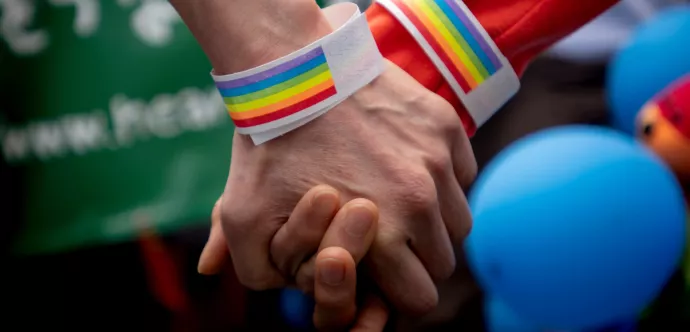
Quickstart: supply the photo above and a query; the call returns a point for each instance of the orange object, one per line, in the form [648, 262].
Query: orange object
[664, 126]
[522, 29]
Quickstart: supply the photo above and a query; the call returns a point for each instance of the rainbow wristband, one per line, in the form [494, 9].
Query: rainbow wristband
[273, 99]
[462, 50]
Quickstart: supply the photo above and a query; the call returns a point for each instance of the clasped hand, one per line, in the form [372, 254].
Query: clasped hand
[396, 161]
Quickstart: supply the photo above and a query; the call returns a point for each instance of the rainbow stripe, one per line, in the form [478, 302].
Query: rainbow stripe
[453, 37]
[280, 91]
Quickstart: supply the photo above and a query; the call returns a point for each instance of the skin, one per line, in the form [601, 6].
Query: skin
[335, 283]
[336, 307]
[393, 143]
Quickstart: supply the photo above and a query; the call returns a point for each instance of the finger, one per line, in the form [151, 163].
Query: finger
[249, 239]
[335, 289]
[305, 276]
[431, 242]
[464, 163]
[402, 277]
[373, 316]
[455, 209]
[301, 235]
[353, 229]
[215, 253]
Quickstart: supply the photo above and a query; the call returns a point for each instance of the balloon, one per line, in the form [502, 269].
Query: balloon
[576, 227]
[501, 318]
[297, 308]
[657, 54]
[628, 326]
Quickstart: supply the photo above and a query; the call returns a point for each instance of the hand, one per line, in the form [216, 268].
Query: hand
[335, 268]
[457, 303]
[394, 143]
[335, 302]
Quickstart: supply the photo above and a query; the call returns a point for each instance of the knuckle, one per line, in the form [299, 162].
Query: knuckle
[416, 190]
[439, 162]
[237, 217]
[444, 112]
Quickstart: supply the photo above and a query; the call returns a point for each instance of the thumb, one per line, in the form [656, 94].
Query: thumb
[215, 253]
[335, 289]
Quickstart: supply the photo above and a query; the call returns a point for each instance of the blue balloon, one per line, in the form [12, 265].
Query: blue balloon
[297, 308]
[501, 318]
[657, 54]
[628, 326]
[576, 227]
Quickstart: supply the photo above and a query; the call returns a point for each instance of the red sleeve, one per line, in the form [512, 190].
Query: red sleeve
[522, 29]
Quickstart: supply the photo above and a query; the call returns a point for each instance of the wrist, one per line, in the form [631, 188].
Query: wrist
[274, 98]
[235, 40]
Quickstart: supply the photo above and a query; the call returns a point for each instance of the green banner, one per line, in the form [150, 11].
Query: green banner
[110, 116]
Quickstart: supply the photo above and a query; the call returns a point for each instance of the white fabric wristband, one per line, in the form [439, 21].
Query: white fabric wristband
[461, 50]
[271, 100]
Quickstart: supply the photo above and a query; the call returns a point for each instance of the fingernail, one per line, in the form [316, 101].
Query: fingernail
[324, 202]
[359, 221]
[332, 272]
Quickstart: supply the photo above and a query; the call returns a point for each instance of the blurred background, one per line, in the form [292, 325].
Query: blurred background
[115, 145]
